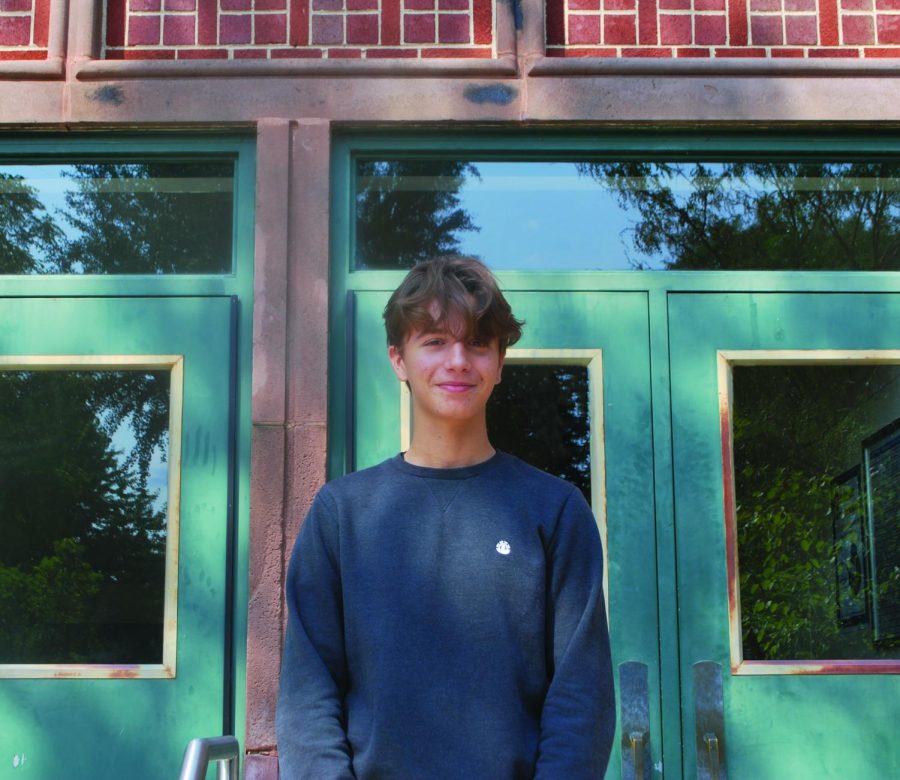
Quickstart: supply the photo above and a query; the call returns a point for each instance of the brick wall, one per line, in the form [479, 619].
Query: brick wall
[24, 26]
[723, 28]
[310, 29]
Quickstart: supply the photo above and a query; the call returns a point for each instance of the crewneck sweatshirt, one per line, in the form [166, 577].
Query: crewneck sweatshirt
[446, 623]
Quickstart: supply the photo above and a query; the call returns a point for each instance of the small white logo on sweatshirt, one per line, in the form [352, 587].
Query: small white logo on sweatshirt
[503, 547]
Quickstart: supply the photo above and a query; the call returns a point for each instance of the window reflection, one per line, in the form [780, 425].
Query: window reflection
[816, 480]
[116, 218]
[83, 492]
[540, 414]
[622, 215]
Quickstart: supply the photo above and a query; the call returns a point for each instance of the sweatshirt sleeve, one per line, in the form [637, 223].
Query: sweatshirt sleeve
[578, 719]
[310, 722]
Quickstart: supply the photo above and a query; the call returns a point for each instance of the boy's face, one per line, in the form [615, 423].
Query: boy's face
[450, 377]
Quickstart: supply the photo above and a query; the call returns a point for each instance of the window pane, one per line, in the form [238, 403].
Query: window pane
[720, 215]
[116, 218]
[83, 501]
[818, 529]
[540, 414]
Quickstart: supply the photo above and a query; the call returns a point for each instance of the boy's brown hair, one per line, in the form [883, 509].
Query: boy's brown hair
[451, 292]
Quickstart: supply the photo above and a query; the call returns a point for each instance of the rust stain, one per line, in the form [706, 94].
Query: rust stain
[855, 667]
[728, 493]
[124, 673]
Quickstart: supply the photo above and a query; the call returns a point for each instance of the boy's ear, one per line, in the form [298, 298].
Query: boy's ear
[396, 358]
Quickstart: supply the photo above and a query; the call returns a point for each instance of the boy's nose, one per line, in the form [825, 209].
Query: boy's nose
[458, 356]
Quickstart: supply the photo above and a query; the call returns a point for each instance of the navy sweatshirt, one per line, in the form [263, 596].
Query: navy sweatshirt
[446, 623]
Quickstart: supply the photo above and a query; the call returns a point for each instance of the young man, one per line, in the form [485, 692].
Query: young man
[445, 608]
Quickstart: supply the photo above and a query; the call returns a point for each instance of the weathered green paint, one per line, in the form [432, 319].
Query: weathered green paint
[239, 284]
[138, 728]
[617, 324]
[798, 726]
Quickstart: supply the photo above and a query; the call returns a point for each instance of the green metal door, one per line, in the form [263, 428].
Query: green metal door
[584, 357]
[115, 628]
[784, 410]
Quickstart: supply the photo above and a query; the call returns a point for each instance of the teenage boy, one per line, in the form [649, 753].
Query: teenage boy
[445, 608]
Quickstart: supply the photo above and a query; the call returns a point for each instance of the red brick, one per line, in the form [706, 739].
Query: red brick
[747, 52]
[270, 28]
[23, 55]
[802, 5]
[619, 30]
[692, 52]
[384, 54]
[235, 28]
[875, 52]
[115, 23]
[483, 11]
[362, 28]
[180, 5]
[709, 30]
[362, 5]
[858, 30]
[616, 5]
[801, 30]
[418, 5]
[250, 54]
[202, 54]
[787, 53]
[828, 22]
[764, 5]
[41, 22]
[584, 29]
[709, 5]
[675, 5]
[737, 24]
[143, 31]
[345, 54]
[15, 6]
[888, 28]
[232, 5]
[453, 28]
[856, 5]
[178, 30]
[766, 31]
[418, 28]
[207, 24]
[843, 54]
[145, 5]
[454, 5]
[327, 29]
[151, 54]
[390, 22]
[270, 5]
[674, 29]
[480, 53]
[647, 52]
[647, 22]
[556, 24]
[584, 5]
[304, 53]
[887, 5]
[299, 32]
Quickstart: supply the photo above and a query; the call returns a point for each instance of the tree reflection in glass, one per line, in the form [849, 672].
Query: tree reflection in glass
[803, 544]
[83, 492]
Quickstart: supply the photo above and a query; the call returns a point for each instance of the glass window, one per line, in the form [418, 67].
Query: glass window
[817, 480]
[83, 515]
[626, 215]
[540, 414]
[139, 217]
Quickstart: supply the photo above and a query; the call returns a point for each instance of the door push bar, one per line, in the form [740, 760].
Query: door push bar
[709, 717]
[202, 750]
[634, 702]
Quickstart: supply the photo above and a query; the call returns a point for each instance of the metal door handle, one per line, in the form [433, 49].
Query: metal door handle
[635, 717]
[709, 719]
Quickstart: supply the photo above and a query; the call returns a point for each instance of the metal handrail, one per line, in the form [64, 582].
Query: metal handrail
[202, 750]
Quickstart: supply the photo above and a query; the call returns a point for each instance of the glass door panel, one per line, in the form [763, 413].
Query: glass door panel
[112, 531]
[575, 401]
[785, 410]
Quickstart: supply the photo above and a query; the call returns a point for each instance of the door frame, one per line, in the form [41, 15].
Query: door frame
[609, 144]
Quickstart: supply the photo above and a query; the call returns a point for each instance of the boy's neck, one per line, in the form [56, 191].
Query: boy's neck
[449, 448]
